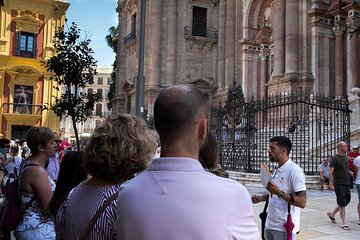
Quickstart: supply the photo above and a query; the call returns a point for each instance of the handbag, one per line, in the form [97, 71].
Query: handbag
[12, 213]
[263, 216]
[97, 214]
[289, 225]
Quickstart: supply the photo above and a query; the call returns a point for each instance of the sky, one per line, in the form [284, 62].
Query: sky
[94, 18]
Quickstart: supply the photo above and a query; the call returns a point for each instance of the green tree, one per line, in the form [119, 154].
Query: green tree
[73, 67]
[111, 40]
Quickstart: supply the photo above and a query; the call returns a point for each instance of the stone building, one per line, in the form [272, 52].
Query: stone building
[26, 32]
[266, 46]
[101, 85]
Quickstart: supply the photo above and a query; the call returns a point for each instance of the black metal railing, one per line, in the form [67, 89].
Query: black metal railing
[130, 38]
[314, 124]
[205, 33]
[22, 108]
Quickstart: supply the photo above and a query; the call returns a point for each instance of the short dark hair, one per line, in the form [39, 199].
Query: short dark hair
[38, 136]
[283, 142]
[4, 141]
[175, 112]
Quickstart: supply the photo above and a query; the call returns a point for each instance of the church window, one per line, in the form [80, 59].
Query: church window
[199, 21]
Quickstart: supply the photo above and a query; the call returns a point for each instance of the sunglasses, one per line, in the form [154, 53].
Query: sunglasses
[58, 141]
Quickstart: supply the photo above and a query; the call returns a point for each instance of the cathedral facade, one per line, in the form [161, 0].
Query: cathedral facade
[264, 46]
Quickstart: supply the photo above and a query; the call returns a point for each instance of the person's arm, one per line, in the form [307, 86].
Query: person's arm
[35, 180]
[331, 184]
[356, 171]
[298, 199]
[259, 198]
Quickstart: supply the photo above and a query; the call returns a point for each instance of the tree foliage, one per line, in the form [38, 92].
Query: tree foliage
[73, 67]
[111, 40]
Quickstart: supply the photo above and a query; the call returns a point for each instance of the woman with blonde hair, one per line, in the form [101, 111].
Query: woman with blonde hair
[36, 188]
[119, 148]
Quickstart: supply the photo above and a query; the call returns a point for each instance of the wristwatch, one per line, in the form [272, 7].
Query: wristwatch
[281, 194]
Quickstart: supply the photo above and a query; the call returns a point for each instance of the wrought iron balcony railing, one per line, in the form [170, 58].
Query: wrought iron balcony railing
[22, 108]
[206, 33]
[130, 38]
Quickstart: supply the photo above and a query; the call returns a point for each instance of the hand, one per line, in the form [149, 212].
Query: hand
[255, 198]
[331, 187]
[272, 188]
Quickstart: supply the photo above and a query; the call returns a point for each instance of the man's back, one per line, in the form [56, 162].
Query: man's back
[177, 199]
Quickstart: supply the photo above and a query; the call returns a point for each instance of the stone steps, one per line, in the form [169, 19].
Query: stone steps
[253, 180]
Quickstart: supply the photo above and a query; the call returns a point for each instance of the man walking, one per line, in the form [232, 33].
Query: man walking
[175, 198]
[339, 181]
[286, 187]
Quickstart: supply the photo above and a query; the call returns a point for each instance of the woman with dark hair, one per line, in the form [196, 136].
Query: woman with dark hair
[36, 188]
[72, 172]
[209, 157]
[119, 147]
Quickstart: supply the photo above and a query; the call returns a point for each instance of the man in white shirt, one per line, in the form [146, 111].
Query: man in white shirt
[356, 168]
[286, 187]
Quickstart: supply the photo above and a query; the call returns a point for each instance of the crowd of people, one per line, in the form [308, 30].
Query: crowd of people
[124, 186]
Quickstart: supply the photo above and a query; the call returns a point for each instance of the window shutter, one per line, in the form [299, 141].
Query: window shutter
[35, 45]
[17, 43]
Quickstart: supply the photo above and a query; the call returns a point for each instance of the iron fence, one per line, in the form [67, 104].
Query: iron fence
[314, 124]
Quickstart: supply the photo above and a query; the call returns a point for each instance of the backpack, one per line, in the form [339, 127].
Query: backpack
[12, 213]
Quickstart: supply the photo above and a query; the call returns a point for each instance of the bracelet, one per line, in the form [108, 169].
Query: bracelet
[291, 198]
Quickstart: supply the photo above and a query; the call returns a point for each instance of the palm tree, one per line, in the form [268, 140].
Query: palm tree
[111, 40]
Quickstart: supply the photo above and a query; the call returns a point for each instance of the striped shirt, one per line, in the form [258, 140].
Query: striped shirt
[81, 206]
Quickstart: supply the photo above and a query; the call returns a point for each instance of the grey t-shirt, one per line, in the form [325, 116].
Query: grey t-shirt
[341, 169]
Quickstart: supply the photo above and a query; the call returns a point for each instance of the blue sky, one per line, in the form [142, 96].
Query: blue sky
[94, 18]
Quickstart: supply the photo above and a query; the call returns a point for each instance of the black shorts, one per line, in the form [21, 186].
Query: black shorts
[343, 195]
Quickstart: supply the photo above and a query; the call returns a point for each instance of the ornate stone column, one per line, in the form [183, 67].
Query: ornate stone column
[339, 60]
[264, 55]
[292, 39]
[221, 46]
[155, 42]
[230, 43]
[170, 77]
[279, 42]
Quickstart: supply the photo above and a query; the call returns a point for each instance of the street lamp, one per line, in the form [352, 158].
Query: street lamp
[140, 79]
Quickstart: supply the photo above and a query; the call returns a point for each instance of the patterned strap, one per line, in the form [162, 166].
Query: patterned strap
[97, 214]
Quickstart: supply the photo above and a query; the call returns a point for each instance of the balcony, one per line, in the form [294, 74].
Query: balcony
[22, 108]
[26, 54]
[206, 35]
[130, 39]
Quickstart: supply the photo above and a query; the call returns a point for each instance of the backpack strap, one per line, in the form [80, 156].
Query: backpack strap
[97, 214]
[266, 204]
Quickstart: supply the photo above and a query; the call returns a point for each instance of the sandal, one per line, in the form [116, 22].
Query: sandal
[332, 219]
[345, 227]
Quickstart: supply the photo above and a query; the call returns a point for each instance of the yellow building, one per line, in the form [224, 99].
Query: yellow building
[26, 32]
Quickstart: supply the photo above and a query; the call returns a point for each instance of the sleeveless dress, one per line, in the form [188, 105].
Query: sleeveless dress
[34, 225]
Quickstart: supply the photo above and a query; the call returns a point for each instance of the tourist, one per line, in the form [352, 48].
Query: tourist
[324, 169]
[175, 198]
[119, 148]
[286, 187]
[72, 172]
[340, 183]
[36, 187]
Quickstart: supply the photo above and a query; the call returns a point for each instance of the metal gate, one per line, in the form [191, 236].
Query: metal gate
[314, 124]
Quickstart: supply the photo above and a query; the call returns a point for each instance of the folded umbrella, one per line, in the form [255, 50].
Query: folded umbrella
[289, 226]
